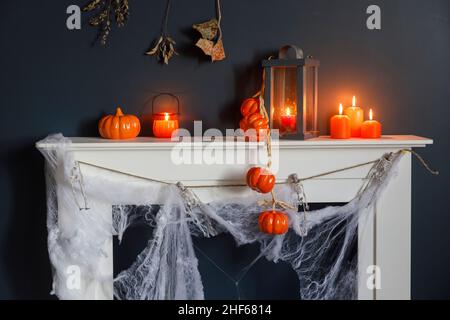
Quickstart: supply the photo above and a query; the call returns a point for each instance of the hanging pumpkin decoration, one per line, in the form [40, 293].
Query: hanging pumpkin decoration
[273, 222]
[253, 119]
[260, 180]
[119, 126]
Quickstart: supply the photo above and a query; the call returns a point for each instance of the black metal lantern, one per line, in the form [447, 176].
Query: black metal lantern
[291, 92]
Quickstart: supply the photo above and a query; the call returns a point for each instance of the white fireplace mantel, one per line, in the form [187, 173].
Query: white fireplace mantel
[385, 240]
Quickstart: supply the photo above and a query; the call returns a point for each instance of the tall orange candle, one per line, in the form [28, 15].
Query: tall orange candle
[371, 129]
[356, 115]
[164, 124]
[340, 126]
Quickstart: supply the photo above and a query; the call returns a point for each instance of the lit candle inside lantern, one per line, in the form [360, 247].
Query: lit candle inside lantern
[340, 125]
[164, 124]
[356, 115]
[288, 121]
[371, 129]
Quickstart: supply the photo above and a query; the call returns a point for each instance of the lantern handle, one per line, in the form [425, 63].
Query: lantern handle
[282, 53]
[166, 94]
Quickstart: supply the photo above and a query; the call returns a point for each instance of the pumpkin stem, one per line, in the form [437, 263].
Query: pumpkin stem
[119, 112]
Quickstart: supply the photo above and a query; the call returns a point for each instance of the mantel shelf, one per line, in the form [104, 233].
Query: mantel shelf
[86, 143]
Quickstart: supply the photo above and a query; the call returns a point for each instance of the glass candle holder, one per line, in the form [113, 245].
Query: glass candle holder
[165, 122]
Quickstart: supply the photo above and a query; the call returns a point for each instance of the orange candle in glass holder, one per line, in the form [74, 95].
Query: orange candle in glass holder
[289, 121]
[356, 115]
[340, 125]
[164, 124]
[371, 129]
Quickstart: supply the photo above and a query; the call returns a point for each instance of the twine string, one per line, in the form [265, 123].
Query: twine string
[166, 19]
[421, 160]
[219, 19]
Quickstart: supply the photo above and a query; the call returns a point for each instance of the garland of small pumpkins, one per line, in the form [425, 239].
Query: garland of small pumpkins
[255, 124]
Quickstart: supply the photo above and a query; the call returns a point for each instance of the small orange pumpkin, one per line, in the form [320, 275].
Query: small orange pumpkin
[119, 126]
[260, 180]
[273, 222]
[257, 121]
[249, 106]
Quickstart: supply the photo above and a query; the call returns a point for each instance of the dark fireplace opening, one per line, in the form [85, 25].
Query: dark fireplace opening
[221, 262]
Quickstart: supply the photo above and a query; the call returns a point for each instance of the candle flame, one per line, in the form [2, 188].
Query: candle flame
[341, 109]
[371, 114]
[288, 111]
[166, 116]
[354, 101]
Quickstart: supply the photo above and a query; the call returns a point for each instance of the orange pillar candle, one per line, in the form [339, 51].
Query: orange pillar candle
[340, 126]
[164, 124]
[356, 115]
[371, 129]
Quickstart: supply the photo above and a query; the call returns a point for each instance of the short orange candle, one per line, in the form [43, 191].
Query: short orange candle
[289, 121]
[164, 124]
[356, 115]
[340, 126]
[371, 129]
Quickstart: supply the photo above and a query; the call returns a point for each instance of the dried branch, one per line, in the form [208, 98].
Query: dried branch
[106, 11]
[164, 48]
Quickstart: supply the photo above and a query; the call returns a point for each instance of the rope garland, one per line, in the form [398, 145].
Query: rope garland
[284, 205]
[421, 160]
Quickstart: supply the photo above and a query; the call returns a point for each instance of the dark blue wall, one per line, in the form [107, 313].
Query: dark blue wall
[53, 80]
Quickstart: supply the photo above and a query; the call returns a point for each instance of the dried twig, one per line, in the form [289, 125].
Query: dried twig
[164, 47]
[106, 11]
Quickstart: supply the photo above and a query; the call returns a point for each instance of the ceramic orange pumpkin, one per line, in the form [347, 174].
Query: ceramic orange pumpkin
[249, 106]
[260, 180]
[119, 126]
[273, 222]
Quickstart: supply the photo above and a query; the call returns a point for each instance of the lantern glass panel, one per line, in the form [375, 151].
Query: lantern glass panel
[310, 97]
[284, 99]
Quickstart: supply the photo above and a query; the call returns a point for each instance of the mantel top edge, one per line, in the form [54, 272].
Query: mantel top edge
[89, 143]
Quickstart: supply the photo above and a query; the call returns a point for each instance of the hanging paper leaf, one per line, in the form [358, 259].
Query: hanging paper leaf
[211, 36]
[218, 52]
[205, 45]
[207, 29]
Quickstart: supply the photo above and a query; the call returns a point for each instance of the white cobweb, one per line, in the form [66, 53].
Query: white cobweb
[168, 267]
